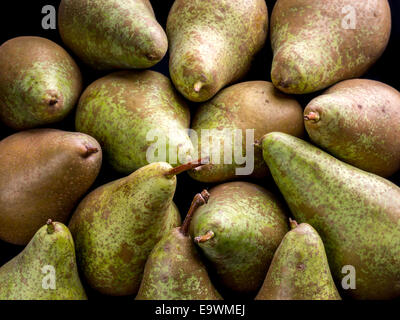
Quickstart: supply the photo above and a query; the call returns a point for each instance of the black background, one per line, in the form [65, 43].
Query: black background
[23, 18]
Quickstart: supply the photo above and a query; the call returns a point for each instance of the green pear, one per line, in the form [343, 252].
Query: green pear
[255, 106]
[112, 34]
[174, 270]
[127, 111]
[299, 269]
[358, 121]
[356, 213]
[45, 270]
[43, 174]
[39, 82]
[213, 42]
[318, 43]
[117, 225]
[238, 232]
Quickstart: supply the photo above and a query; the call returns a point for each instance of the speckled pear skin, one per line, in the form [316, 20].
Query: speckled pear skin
[359, 123]
[212, 43]
[313, 51]
[249, 223]
[249, 105]
[43, 174]
[174, 271]
[120, 110]
[299, 269]
[356, 213]
[39, 82]
[117, 225]
[112, 34]
[22, 277]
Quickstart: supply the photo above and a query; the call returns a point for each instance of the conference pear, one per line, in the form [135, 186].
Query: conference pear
[117, 225]
[39, 82]
[174, 270]
[112, 34]
[238, 232]
[213, 42]
[45, 270]
[43, 174]
[127, 111]
[318, 43]
[358, 121]
[255, 106]
[299, 269]
[356, 213]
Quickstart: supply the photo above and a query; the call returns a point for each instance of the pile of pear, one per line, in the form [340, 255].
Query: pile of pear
[319, 203]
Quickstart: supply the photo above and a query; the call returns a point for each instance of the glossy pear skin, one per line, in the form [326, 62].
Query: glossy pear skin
[176, 260]
[357, 214]
[43, 174]
[253, 105]
[39, 82]
[212, 43]
[22, 277]
[359, 123]
[299, 269]
[121, 109]
[117, 225]
[318, 43]
[249, 223]
[112, 34]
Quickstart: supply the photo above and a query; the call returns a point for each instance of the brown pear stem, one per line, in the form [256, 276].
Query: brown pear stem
[208, 236]
[197, 86]
[90, 150]
[198, 200]
[312, 116]
[258, 143]
[187, 166]
[293, 224]
[50, 226]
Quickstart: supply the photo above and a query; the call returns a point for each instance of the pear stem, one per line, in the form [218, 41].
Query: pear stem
[197, 86]
[293, 224]
[90, 150]
[187, 166]
[198, 200]
[208, 236]
[50, 226]
[312, 116]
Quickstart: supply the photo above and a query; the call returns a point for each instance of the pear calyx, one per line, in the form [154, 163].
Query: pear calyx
[312, 116]
[293, 223]
[50, 226]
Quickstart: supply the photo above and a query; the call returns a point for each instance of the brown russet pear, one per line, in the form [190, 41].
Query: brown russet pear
[43, 174]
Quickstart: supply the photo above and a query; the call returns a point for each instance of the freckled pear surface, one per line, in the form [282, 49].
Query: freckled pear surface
[22, 277]
[213, 42]
[121, 111]
[318, 43]
[359, 123]
[248, 223]
[299, 269]
[112, 34]
[43, 174]
[357, 214]
[253, 105]
[117, 225]
[39, 82]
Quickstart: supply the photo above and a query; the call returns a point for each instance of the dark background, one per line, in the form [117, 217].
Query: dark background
[23, 18]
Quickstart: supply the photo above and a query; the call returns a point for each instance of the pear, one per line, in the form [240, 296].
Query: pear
[318, 43]
[213, 42]
[39, 82]
[117, 225]
[45, 270]
[43, 174]
[356, 213]
[256, 106]
[299, 269]
[174, 270]
[358, 121]
[112, 34]
[238, 232]
[127, 111]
